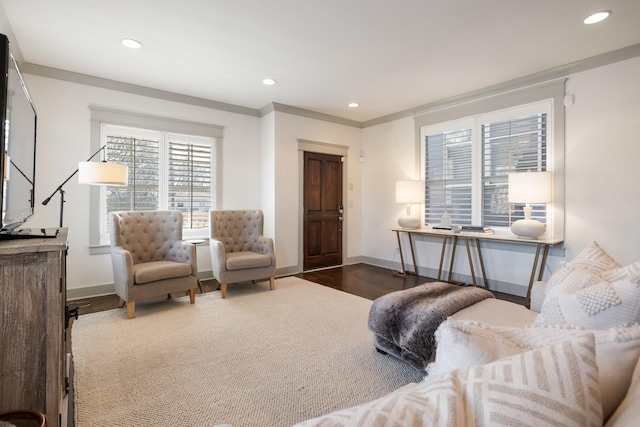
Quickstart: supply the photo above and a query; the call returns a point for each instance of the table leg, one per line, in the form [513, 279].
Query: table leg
[473, 273]
[413, 254]
[444, 247]
[484, 273]
[453, 255]
[545, 252]
[527, 301]
[403, 271]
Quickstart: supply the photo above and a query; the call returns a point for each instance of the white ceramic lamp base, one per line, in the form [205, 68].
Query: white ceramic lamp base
[528, 228]
[409, 222]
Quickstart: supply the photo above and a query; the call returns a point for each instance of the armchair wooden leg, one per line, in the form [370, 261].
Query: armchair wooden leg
[223, 290]
[192, 295]
[121, 303]
[272, 282]
[131, 306]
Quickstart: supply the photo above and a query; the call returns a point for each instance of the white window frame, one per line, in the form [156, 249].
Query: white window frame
[164, 138]
[476, 123]
[490, 108]
[99, 243]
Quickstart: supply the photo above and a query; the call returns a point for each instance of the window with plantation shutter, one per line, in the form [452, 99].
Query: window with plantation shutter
[166, 171]
[448, 176]
[467, 161]
[189, 178]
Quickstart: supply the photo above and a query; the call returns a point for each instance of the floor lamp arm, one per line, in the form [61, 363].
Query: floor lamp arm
[59, 189]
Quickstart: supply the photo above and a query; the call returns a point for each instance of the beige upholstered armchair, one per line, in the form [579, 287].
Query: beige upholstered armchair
[239, 251]
[149, 257]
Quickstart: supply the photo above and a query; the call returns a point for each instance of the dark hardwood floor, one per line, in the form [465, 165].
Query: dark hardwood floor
[367, 281]
[364, 280]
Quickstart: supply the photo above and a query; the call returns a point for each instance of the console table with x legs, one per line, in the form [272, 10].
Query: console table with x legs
[542, 249]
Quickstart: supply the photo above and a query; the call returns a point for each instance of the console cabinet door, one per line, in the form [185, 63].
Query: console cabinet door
[32, 329]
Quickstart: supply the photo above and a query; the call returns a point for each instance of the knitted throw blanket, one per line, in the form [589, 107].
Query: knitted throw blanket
[404, 322]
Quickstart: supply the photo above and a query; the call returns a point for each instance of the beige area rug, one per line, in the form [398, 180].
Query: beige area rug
[257, 358]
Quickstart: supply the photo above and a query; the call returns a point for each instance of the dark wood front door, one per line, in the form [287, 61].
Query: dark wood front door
[323, 210]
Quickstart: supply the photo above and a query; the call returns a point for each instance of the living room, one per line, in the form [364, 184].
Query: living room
[600, 198]
[261, 145]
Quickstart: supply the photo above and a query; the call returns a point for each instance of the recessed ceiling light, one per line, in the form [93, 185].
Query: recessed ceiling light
[597, 17]
[353, 105]
[131, 43]
[269, 82]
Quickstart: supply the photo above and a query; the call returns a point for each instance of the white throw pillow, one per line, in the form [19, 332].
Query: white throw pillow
[603, 305]
[592, 303]
[630, 272]
[592, 258]
[536, 386]
[461, 344]
[593, 290]
[569, 281]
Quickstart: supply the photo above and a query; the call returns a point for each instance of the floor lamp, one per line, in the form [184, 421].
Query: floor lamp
[94, 173]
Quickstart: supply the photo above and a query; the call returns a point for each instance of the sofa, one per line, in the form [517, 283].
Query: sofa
[571, 359]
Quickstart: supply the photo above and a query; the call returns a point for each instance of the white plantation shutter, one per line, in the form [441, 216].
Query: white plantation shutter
[189, 179]
[141, 157]
[448, 183]
[517, 145]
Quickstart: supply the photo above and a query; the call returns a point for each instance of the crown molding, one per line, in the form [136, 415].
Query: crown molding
[530, 80]
[283, 108]
[85, 79]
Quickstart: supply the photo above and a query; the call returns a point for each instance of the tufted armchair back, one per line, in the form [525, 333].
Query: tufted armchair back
[149, 235]
[237, 230]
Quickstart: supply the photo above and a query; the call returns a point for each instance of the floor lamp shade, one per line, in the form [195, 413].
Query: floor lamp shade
[102, 173]
[529, 187]
[409, 192]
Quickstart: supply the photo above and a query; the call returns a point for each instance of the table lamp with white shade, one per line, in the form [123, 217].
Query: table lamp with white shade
[529, 187]
[410, 192]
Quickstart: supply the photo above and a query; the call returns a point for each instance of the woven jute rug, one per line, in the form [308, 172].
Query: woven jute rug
[256, 358]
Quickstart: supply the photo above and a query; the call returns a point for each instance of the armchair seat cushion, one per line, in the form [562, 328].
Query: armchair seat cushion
[247, 259]
[159, 270]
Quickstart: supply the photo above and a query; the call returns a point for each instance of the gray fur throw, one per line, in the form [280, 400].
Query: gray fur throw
[404, 322]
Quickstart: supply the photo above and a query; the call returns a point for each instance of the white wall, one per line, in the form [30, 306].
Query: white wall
[389, 155]
[63, 140]
[267, 178]
[602, 145]
[603, 160]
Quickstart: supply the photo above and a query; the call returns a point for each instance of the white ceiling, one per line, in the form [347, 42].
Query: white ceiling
[388, 55]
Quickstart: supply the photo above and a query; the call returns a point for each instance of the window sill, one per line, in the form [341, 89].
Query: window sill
[105, 249]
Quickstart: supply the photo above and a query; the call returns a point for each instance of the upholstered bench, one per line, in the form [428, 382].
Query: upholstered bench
[404, 322]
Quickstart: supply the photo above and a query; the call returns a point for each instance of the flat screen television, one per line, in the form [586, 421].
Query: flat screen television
[17, 147]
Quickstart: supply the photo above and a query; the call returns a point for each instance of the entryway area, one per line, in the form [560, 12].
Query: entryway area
[323, 221]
